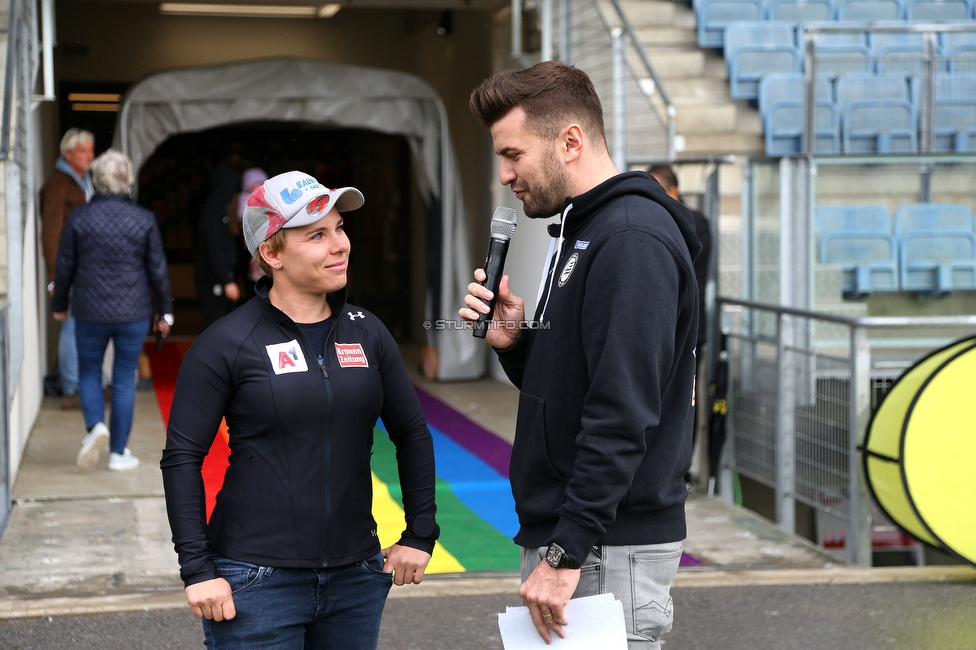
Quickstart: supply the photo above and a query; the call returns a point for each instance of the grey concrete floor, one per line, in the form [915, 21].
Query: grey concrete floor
[879, 616]
[86, 561]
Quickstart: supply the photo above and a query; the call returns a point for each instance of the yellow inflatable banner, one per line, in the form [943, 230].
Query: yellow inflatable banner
[920, 451]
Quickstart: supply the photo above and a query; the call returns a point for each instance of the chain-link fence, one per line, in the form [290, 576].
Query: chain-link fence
[802, 386]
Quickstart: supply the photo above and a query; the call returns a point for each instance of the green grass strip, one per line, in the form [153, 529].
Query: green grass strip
[475, 543]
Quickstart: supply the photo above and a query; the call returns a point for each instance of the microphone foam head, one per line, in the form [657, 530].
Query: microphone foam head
[503, 223]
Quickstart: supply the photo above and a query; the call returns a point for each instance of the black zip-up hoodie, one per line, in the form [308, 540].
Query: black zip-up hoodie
[298, 491]
[606, 372]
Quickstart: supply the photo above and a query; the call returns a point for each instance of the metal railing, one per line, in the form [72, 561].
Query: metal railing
[639, 115]
[802, 387]
[920, 66]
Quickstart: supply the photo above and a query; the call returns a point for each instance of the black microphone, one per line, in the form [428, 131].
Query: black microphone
[503, 223]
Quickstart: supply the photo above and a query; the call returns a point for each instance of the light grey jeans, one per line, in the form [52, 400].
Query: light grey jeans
[639, 577]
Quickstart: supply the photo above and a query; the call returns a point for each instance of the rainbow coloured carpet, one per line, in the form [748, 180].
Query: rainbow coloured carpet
[475, 509]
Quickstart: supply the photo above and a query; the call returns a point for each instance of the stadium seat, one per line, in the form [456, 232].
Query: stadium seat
[753, 49]
[781, 105]
[868, 10]
[865, 219]
[937, 11]
[901, 52]
[959, 50]
[931, 217]
[799, 11]
[955, 113]
[877, 114]
[839, 52]
[858, 238]
[868, 261]
[714, 15]
[938, 262]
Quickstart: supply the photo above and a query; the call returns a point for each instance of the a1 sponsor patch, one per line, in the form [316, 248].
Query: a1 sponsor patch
[351, 355]
[287, 357]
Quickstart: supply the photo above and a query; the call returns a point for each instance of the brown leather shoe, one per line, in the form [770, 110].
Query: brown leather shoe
[71, 403]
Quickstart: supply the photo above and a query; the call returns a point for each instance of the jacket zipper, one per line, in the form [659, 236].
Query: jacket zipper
[329, 440]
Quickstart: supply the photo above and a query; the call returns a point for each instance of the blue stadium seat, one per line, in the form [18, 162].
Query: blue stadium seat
[959, 49]
[868, 260]
[753, 49]
[901, 52]
[714, 15]
[781, 105]
[865, 219]
[877, 114]
[955, 113]
[799, 11]
[868, 10]
[859, 239]
[937, 11]
[931, 217]
[840, 52]
[938, 262]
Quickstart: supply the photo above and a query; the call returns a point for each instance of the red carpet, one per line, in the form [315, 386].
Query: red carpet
[165, 368]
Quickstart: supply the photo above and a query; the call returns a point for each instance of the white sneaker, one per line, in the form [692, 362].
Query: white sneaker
[122, 462]
[93, 442]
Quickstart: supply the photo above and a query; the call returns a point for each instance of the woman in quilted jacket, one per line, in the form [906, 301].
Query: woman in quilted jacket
[111, 254]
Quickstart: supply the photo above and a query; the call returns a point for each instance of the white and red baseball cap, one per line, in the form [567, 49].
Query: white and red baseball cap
[291, 200]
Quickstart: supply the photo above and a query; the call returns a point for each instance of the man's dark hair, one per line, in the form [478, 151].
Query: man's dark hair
[551, 93]
[665, 175]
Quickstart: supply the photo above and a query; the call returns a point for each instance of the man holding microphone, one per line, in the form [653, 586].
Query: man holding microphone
[604, 431]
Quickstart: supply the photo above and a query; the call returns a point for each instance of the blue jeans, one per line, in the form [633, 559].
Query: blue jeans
[639, 577]
[294, 609]
[68, 357]
[92, 340]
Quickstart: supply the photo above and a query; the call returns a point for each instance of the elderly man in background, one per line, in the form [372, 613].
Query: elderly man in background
[68, 186]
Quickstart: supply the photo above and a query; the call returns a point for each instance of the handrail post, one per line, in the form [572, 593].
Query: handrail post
[808, 146]
[858, 546]
[927, 119]
[546, 20]
[784, 444]
[619, 101]
[516, 29]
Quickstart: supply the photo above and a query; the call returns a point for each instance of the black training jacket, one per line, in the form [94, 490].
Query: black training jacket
[604, 431]
[298, 491]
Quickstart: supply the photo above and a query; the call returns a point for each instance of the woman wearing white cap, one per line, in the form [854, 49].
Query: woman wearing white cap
[290, 557]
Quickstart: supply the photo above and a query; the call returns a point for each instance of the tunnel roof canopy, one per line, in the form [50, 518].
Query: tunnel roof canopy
[301, 90]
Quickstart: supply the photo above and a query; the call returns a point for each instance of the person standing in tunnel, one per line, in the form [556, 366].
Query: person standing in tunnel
[290, 557]
[215, 267]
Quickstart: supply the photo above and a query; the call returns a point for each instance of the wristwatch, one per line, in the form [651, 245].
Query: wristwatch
[556, 558]
[168, 319]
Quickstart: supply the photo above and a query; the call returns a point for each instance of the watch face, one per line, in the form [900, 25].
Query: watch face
[553, 555]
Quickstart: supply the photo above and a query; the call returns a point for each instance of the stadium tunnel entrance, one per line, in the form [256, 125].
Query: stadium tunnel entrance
[387, 273]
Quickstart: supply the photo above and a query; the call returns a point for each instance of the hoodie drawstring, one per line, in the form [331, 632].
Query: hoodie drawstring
[559, 250]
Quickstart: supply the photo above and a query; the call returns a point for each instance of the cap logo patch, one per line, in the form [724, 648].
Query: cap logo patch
[318, 204]
[290, 197]
[351, 355]
[287, 357]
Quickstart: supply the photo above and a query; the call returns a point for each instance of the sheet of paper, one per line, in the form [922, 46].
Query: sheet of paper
[594, 622]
